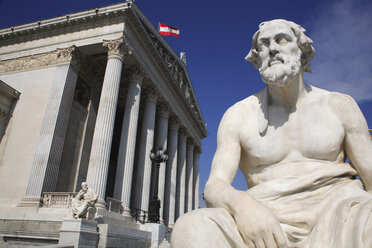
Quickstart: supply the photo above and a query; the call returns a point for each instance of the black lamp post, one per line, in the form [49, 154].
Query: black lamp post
[159, 157]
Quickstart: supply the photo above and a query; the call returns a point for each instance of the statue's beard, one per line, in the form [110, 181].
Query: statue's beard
[282, 70]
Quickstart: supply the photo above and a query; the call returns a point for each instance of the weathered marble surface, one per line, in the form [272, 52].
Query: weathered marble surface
[290, 141]
[84, 200]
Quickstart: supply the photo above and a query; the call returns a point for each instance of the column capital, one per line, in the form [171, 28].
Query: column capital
[183, 133]
[69, 54]
[164, 110]
[117, 48]
[174, 123]
[136, 73]
[197, 150]
[151, 94]
[190, 143]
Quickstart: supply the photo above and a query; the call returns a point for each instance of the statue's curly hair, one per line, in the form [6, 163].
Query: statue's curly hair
[304, 43]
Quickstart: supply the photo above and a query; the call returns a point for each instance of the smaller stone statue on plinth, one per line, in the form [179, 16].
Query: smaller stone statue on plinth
[84, 200]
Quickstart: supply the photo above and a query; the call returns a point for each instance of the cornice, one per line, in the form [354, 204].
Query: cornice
[60, 22]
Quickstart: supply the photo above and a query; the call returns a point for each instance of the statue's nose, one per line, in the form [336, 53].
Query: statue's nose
[273, 49]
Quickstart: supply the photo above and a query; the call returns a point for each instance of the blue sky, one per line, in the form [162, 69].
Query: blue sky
[216, 36]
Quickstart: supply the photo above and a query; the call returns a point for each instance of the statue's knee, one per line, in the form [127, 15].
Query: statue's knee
[194, 223]
[190, 219]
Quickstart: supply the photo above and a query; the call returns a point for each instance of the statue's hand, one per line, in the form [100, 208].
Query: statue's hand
[258, 226]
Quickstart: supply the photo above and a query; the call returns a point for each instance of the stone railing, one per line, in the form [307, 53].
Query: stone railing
[63, 200]
[58, 199]
[113, 205]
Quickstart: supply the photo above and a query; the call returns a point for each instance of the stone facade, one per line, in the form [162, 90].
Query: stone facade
[86, 97]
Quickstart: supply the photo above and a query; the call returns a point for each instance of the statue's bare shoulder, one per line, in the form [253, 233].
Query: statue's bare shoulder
[246, 108]
[345, 107]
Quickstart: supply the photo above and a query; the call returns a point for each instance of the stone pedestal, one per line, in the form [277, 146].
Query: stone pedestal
[157, 233]
[78, 233]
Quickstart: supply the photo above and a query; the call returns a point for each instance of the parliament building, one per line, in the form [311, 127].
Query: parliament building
[86, 97]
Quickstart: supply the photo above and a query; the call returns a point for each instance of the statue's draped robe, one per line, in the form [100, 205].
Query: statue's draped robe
[318, 205]
[82, 201]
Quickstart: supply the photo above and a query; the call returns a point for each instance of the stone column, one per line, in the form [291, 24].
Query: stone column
[45, 166]
[181, 173]
[102, 138]
[160, 142]
[171, 174]
[195, 198]
[124, 169]
[143, 177]
[189, 175]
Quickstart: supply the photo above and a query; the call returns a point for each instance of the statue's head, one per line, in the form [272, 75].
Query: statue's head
[84, 185]
[280, 50]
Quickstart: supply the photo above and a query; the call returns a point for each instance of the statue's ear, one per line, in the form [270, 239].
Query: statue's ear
[263, 114]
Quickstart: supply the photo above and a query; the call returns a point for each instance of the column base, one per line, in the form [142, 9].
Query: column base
[30, 202]
[127, 212]
[101, 204]
[157, 233]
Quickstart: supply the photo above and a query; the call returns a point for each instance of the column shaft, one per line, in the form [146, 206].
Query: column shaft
[181, 175]
[161, 141]
[102, 138]
[196, 180]
[124, 169]
[189, 176]
[171, 176]
[143, 177]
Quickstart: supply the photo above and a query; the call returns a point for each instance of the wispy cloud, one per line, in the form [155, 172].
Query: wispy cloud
[343, 42]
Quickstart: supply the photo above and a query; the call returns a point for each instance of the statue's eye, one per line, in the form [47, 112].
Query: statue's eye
[263, 43]
[282, 41]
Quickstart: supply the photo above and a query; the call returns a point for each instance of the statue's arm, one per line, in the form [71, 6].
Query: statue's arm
[218, 190]
[358, 144]
[256, 223]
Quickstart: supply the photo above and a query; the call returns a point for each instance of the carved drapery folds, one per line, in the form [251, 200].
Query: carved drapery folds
[117, 48]
[61, 55]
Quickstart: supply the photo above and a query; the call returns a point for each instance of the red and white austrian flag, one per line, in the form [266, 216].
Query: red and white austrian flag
[166, 30]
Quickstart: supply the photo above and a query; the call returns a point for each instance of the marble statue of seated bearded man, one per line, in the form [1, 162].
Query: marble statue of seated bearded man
[290, 141]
